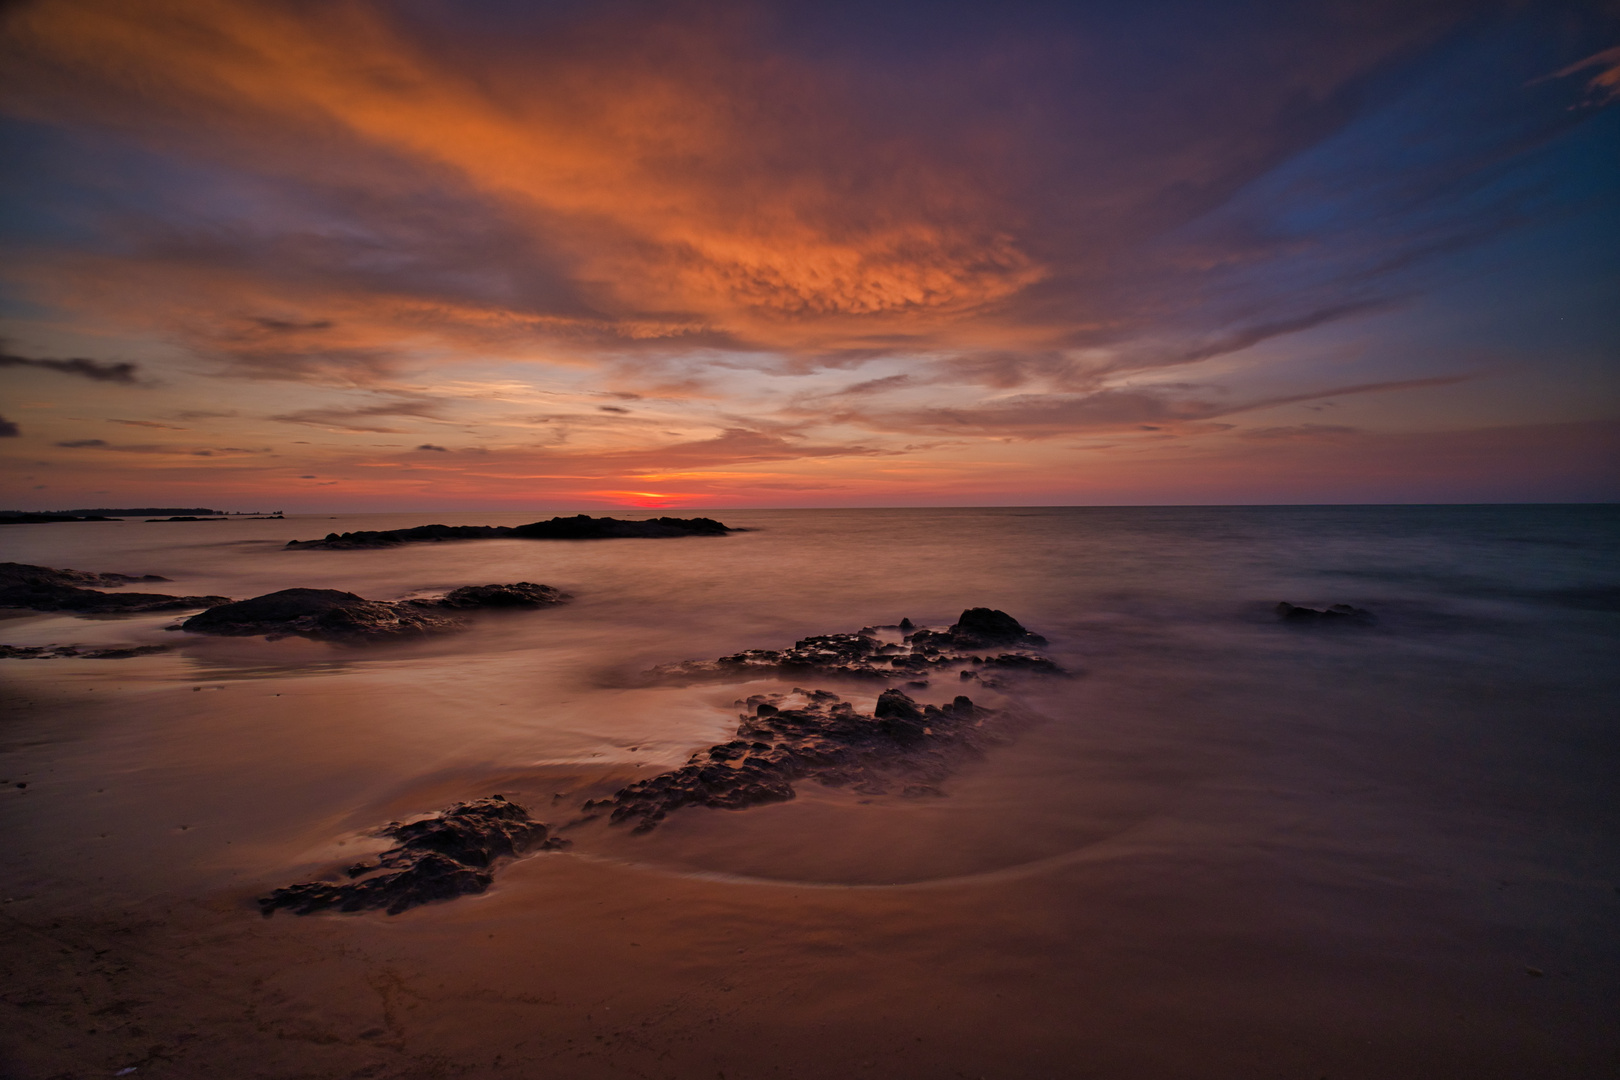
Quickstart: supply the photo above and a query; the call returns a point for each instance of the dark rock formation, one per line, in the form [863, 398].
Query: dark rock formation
[523, 594]
[334, 615]
[438, 858]
[22, 574]
[318, 613]
[148, 511]
[1338, 614]
[878, 653]
[152, 521]
[979, 628]
[40, 588]
[580, 527]
[55, 652]
[44, 519]
[818, 737]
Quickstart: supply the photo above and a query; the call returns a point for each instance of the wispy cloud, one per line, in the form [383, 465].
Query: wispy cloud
[1041, 416]
[358, 417]
[1604, 87]
[121, 371]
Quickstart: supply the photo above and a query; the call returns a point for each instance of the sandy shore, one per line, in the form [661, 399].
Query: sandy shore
[1191, 938]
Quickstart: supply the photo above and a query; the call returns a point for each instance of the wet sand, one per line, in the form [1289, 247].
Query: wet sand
[1196, 921]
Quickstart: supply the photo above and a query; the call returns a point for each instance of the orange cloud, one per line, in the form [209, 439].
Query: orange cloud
[614, 160]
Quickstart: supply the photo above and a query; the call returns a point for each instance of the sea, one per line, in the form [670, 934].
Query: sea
[1225, 844]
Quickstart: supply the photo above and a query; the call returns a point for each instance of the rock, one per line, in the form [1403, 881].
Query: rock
[334, 615]
[818, 737]
[523, 594]
[23, 574]
[978, 628]
[864, 655]
[1022, 662]
[317, 613]
[41, 588]
[1338, 614]
[579, 527]
[54, 652]
[438, 858]
[43, 519]
[583, 527]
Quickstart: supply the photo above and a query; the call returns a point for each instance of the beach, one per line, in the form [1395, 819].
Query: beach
[1223, 846]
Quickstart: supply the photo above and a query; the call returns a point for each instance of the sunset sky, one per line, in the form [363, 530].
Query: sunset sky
[501, 255]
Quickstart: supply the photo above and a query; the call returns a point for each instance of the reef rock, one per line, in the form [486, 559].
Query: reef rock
[1338, 614]
[334, 615]
[523, 594]
[41, 588]
[12, 573]
[813, 735]
[45, 519]
[438, 858]
[579, 527]
[967, 646]
[57, 652]
[319, 613]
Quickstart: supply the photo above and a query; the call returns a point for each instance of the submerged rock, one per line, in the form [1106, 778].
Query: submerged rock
[522, 594]
[56, 652]
[334, 615]
[438, 858]
[41, 588]
[579, 527]
[816, 737]
[870, 654]
[1338, 614]
[12, 573]
[318, 613]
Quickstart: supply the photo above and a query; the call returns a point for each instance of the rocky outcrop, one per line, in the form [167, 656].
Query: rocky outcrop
[1336, 615]
[523, 594]
[813, 735]
[41, 588]
[45, 519]
[334, 615]
[579, 527]
[982, 640]
[12, 573]
[979, 628]
[438, 858]
[319, 613]
[57, 652]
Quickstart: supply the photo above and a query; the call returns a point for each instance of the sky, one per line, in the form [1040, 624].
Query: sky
[399, 255]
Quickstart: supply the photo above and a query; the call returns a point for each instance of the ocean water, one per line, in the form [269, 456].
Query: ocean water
[1226, 846]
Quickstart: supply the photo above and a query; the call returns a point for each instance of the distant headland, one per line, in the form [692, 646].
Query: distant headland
[579, 527]
[153, 513]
